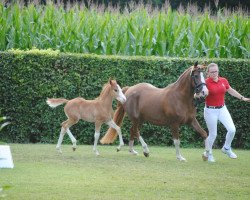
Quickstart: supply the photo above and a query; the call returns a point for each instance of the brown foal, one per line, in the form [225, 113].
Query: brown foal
[98, 111]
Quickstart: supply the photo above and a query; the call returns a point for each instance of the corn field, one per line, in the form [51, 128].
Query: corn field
[141, 30]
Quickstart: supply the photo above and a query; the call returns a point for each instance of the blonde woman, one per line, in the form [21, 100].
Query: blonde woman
[215, 110]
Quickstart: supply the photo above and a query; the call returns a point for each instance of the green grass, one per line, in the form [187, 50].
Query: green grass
[41, 173]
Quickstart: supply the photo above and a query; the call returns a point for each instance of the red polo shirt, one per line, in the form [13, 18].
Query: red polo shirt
[217, 91]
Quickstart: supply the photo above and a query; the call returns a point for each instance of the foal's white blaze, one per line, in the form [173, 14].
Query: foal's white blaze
[121, 97]
[204, 88]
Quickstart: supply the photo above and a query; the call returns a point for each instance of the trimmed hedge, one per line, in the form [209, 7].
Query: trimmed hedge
[29, 77]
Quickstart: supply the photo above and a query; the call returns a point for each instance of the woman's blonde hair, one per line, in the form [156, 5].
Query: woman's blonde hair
[211, 65]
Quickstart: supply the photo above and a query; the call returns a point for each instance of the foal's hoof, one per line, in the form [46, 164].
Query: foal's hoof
[73, 148]
[146, 154]
[133, 152]
[181, 159]
[59, 150]
[118, 149]
[204, 157]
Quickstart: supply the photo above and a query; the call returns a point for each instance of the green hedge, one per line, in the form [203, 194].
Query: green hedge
[29, 77]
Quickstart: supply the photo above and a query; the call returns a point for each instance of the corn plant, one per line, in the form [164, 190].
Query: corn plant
[140, 31]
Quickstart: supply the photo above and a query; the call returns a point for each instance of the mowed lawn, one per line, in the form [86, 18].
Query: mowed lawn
[42, 173]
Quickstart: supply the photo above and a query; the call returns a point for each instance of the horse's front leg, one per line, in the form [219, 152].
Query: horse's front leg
[131, 147]
[113, 125]
[97, 135]
[175, 133]
[177, 149]
[196, 126]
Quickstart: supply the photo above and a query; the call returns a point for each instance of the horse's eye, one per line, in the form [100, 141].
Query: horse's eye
[115, 90]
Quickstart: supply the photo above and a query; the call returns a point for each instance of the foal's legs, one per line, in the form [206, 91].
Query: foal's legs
[175, 132]
[73, 140]
[58, 146]
[65, 128]
[97, 135]
[113, 125]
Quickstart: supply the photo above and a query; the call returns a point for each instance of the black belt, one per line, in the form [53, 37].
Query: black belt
[215, 107]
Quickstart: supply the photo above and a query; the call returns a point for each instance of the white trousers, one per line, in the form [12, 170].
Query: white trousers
[212, 116]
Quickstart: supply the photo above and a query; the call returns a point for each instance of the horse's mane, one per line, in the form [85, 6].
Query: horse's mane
[104, 92]
[188, 70]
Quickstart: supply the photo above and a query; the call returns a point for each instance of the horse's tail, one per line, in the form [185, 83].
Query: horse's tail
[119, 114]
[56, 102]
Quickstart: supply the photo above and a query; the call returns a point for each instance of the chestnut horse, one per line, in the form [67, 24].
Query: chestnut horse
[98, 111]
[171, 106]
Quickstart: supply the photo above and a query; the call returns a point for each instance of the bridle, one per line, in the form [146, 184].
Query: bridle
[197, 86]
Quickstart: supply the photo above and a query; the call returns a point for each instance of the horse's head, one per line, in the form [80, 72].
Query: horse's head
[199, 80]
[117, 91]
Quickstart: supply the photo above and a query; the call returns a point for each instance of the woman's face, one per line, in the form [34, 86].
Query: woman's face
[213, 72]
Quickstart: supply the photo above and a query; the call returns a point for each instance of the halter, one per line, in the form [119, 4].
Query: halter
[197, 87]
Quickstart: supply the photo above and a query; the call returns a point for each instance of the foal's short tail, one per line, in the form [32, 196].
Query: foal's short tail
[119, 114]
[56, 102]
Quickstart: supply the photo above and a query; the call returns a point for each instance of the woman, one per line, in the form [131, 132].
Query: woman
[215, 110]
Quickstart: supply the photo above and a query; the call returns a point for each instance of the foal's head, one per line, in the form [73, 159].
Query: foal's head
[116, 91]
[199, 80]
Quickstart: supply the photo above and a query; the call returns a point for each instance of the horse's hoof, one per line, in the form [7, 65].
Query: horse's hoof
[133, 152]
[117, 149]
[182, 159]
[204, 157]
[73, 148]
[97, 153]
[146, 154]
[59, 150]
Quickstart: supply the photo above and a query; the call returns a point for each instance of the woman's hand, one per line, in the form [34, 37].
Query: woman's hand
[246, 99]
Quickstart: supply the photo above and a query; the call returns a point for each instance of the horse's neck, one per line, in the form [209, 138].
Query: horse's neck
[106, 99]
[184, 84]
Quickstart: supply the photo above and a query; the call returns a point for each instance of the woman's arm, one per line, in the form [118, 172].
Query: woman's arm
[236, 94]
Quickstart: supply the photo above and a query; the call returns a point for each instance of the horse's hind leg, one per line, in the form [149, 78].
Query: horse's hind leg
[144, 146]
[66, 125]
[73, 140]
[113, 125]
[134, 132]
[58, 146]
[97, 135]
[175, 132]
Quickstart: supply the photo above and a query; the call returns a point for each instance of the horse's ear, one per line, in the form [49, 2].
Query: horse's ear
[196, 63]
[112, 82]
